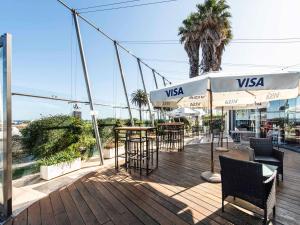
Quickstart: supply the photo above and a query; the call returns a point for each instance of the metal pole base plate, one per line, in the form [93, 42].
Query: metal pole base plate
[222, 149]
[211, 177]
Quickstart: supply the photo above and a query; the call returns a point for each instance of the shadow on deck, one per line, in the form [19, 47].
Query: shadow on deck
[173, 194]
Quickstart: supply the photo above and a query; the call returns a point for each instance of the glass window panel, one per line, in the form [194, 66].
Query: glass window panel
[1, 124]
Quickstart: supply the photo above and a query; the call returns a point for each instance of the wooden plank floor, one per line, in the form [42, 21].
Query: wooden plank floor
[173, 194]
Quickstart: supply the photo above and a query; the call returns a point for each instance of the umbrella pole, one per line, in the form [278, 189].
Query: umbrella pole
[211, 176]
[257, 123]
[221, 148]
[222, 126]
[211, 133]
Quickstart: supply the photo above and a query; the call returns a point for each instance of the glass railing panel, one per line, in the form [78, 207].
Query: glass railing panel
[1, 125]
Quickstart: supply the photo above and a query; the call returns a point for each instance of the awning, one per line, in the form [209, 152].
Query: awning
[228, 90]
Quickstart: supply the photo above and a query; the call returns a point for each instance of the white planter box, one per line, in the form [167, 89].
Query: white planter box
[109, 153]
[50, 172]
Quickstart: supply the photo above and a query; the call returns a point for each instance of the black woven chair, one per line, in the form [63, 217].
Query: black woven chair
[263, 151]
[245, 180]
[216, 134]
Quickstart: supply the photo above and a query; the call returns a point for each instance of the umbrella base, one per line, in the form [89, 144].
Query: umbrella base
[222, 149]
[211, 177]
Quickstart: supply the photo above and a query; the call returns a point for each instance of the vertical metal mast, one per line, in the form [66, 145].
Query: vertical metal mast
[164, 80]
[145, 90]
[123, 82]
[154, 77]
[159, 111]
[88, 88]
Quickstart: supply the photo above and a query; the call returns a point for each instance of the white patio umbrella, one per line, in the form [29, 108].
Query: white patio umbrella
[183, 112]
[227, 90]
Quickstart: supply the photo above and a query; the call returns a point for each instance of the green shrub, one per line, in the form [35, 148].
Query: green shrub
[119, 123]
[216, 122]
[52, 138]
[67, 155]
[159, 121]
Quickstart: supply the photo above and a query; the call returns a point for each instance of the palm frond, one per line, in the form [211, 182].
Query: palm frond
[139, 98]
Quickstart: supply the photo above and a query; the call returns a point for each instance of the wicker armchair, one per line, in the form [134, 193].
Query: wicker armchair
[263, 151]
[245, 180]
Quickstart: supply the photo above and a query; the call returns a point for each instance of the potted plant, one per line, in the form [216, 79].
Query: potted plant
[109, 149]
[58, 143]
[59, 164]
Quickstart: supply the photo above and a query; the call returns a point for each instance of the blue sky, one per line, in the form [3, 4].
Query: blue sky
[46, 59]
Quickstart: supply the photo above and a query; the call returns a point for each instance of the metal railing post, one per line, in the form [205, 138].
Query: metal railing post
[88, 88]
[6, 44]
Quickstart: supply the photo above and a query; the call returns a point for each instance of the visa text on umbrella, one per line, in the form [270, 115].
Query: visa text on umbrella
[174, 92]
[251, 82]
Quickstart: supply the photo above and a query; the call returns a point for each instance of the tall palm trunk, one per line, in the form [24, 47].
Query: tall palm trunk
[192, 50]
[208, 62]
[219, 53]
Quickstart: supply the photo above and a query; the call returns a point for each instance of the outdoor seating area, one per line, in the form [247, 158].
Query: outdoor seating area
[110, 197]
[135, 114]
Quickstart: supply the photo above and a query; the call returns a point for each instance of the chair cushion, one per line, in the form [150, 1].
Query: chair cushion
[266, 159]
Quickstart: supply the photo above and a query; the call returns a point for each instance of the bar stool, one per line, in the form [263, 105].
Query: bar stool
[151, 142]
[135, 153]
[216, 135]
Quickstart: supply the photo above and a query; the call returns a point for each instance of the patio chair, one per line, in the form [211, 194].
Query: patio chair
[195, 131]
[216, 134]
[245, 180]
[263, 151]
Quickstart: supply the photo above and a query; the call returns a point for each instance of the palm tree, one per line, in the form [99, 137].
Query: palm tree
[210, 29]
[140, 99]
[191, 41]
[215, 32]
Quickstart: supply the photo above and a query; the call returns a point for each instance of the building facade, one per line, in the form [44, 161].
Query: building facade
[281, 118]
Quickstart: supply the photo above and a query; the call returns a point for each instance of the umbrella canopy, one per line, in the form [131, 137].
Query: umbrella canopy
[182, 112]
[228, 90]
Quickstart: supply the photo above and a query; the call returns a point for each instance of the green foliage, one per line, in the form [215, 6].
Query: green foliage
[208, 29]
[106, 129]
[216, 121]
[67, 155]
[186, 121]
[57, 138]
[139, 98]
[119, 123]
[159, 121]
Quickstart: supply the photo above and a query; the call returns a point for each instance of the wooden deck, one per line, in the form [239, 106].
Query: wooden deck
[173, 194]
